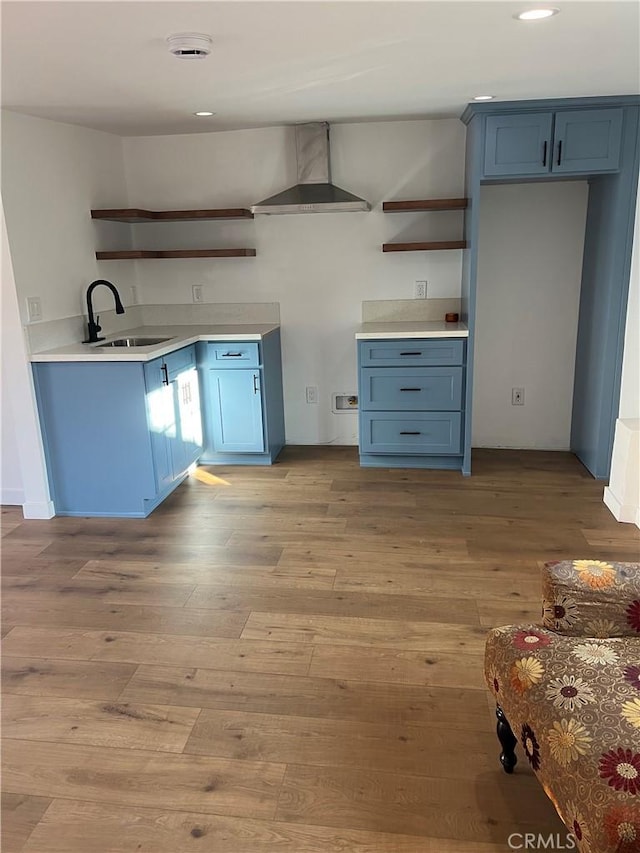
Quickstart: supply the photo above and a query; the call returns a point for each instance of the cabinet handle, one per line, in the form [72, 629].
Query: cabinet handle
[544, 153]
[405, 432]
[559, 152]
[411, 389]
[255, 384]
[410, 353]
[165, 374]
[232, 355]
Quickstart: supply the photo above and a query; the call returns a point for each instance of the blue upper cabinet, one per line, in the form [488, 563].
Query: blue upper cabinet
[587, 141]
[567, 142]
[518, 144]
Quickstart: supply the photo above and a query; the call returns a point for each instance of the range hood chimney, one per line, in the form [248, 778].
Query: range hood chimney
[314, 192]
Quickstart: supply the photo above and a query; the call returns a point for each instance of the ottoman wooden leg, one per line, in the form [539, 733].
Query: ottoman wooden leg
[507, 740]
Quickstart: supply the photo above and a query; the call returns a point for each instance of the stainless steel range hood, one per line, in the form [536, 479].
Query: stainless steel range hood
[314, 192]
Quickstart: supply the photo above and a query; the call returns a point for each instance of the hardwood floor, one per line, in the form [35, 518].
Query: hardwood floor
[282, 660]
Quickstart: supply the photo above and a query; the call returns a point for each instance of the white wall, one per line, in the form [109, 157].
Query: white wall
[52, 175]
[622, 495]
[12, 491]
[529, 269]
[318, 267]
[19, 420]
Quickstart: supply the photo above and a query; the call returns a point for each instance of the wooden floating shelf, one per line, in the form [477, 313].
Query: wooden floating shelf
[135, 214]
[423, 247]
[135, 254]
[425, 204]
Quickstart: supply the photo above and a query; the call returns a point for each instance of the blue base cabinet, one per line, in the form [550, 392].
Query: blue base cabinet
[244, 410]
[118, 436]
[411, 402]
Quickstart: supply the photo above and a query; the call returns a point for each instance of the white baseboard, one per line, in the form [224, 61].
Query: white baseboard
[38, 509]
[625, 513]
[12, 497]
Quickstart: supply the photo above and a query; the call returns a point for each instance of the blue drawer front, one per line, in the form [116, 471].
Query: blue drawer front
[416, 433]
[411, 353]
[230, 354]
[412, 388]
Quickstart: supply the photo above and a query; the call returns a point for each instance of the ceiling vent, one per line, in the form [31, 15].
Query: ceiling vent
[190, 45]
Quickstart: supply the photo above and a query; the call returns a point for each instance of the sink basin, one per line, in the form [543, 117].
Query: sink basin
[134, 342]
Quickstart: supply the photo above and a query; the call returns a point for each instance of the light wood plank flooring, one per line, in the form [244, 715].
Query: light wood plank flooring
[282, 660]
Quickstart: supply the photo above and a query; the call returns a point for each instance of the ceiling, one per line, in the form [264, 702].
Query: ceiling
[106, 65]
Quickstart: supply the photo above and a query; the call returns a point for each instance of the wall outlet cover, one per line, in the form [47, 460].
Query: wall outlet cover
[198, 295]
[420, 291]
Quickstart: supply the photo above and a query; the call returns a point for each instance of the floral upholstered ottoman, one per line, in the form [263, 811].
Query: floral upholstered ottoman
[569, 692]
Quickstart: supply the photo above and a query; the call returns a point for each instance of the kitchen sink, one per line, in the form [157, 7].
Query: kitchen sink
[134, 342]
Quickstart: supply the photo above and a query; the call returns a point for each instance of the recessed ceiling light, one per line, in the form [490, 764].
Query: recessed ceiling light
[204, 113]
[484, 97]
[536, 14]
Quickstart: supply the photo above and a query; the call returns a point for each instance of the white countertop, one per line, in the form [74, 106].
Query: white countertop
[422, 329]
[179, 336]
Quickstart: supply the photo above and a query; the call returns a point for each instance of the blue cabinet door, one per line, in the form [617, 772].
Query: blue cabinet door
[518, 144]
[235, 410]
[161, 417]
[587, 140]
[173, 406]
[189, 417]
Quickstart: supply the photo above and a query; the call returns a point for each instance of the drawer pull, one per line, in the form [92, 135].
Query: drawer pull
[410, 353]
[405, 432]
[411, 389]
[232, 355]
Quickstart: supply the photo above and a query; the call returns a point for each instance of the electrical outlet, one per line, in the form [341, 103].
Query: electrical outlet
[197, 293]
[420, 291]
[517, 396]
[34, 308]
[312, 393]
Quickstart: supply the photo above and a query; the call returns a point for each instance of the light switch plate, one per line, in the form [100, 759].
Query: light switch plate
[34, 308]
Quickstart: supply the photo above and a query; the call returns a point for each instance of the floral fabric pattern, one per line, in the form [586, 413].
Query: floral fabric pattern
[571, 692]
[582, 595]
